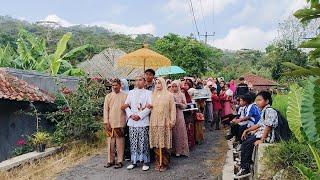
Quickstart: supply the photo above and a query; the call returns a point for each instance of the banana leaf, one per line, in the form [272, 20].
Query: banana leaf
[306, 172]
[293, 111]
[62, 45]
[316, 156]
[309, 121]
[76, 50]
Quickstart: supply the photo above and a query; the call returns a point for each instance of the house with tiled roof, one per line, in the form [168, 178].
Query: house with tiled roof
[18, 99]
[12, 88]
[258, 83]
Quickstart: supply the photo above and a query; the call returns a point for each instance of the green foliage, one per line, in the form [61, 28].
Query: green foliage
[280, 102]
[80, 117]
[32, 54]
[293, 111]
[285, 155]
[40, 138]
[299, 71]
[310, 122]
[7, 55]
[308, 172]
[24, 145]
[194, 57]
[234, 64]
[284, 51]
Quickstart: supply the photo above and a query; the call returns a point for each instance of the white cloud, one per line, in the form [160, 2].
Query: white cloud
[181, 8]
[245, 37]
[119, 28]
[124, 29]
[256, 12]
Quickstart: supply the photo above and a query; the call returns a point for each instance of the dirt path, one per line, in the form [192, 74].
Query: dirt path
[205, 162]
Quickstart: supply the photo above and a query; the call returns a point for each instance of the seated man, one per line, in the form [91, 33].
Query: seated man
[264, 132]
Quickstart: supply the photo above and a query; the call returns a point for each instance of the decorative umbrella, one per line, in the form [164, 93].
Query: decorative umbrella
[169, 70]
[145, 58]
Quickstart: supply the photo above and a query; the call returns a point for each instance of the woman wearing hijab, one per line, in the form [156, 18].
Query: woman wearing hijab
[162, 120]
[179, 132]
[124, 86]
[189, 117]
[127, 153]
[233, 86]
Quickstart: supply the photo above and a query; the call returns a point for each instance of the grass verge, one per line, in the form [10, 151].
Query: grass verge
[49, 167]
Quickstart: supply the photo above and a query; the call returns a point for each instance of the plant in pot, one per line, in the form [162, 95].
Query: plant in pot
[40, 140]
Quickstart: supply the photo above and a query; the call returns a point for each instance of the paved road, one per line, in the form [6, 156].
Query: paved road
[198, 166]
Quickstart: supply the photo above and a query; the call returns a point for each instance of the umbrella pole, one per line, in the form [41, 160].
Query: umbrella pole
[144, 64]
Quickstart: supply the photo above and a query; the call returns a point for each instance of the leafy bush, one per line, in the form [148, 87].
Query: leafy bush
[280, 102]
[80, 117]
[284, 155]
[23, 146]
[40, 138]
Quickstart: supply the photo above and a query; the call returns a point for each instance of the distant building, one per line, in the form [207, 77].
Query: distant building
[258, 83]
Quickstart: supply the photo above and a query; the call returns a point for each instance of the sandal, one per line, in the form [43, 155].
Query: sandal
[162, 169]
[118, 165]
[157, 168]
[108, 165]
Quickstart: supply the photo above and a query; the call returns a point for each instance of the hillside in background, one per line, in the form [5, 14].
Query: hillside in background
[99, 37]
[196, 57]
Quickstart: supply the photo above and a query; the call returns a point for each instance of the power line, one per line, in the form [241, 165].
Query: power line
[201, 9]
[194, 18]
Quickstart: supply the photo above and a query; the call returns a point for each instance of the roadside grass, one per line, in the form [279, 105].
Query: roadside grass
[48, 168]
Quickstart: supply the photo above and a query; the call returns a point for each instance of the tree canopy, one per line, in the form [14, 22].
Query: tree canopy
[193, 56]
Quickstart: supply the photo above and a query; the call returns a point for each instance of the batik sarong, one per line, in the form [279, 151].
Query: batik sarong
[162, 156]
[139, 144]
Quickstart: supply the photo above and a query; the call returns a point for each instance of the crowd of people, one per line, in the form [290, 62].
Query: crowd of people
[161, 117]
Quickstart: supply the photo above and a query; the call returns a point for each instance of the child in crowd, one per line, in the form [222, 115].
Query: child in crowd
[264, 131]
[217, 108]
[251, 117]
[238, 128]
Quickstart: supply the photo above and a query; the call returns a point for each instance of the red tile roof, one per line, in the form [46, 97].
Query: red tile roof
[12, 88]
[258, 81]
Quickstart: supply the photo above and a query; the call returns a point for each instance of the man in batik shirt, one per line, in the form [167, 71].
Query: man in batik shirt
[138, 121]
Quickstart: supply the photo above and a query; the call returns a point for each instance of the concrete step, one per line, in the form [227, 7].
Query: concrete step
[25, 158]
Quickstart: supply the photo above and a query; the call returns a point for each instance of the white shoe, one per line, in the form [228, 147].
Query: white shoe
[145, 168]
[236, 152]
[238, 148]
[241, 174]
[178, 155]
[131, 166]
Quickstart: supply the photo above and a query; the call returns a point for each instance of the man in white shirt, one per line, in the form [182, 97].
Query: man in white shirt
[138, 121]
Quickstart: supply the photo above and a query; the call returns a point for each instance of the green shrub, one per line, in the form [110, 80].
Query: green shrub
[285, 154]
[280, 102]
[23, 146]
[80, 117]
[40, 138]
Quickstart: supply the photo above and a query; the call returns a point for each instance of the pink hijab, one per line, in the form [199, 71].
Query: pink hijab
[233, 86]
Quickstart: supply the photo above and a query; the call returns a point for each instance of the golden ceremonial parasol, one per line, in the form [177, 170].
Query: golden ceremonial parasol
[145, 58]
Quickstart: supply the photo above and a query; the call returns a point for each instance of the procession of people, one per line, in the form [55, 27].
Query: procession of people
[161, 118]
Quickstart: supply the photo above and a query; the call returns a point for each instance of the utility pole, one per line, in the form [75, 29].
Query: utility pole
[206, 36]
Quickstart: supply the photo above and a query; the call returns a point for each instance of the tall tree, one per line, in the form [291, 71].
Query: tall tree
[193, 56]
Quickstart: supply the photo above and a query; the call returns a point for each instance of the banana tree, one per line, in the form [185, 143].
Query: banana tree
[57, 59]
[303, 115]
[33, 55]
[6, 56]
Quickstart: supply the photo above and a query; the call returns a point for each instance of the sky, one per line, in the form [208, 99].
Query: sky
[236, 24]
